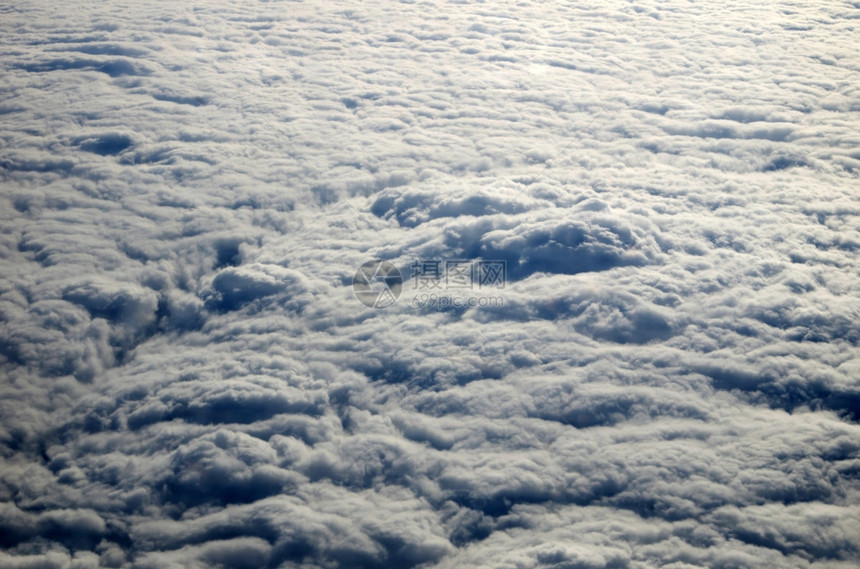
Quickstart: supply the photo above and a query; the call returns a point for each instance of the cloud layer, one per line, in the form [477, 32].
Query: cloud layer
[672, 378]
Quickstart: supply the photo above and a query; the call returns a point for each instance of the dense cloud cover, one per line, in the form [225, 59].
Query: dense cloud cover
[672, 378]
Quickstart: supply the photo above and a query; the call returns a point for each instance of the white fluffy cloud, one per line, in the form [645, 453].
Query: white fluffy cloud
[670, 376]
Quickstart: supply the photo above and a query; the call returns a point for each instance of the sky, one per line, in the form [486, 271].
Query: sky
[197, 197]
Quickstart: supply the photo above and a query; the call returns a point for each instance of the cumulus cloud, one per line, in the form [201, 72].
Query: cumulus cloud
[667, 376]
